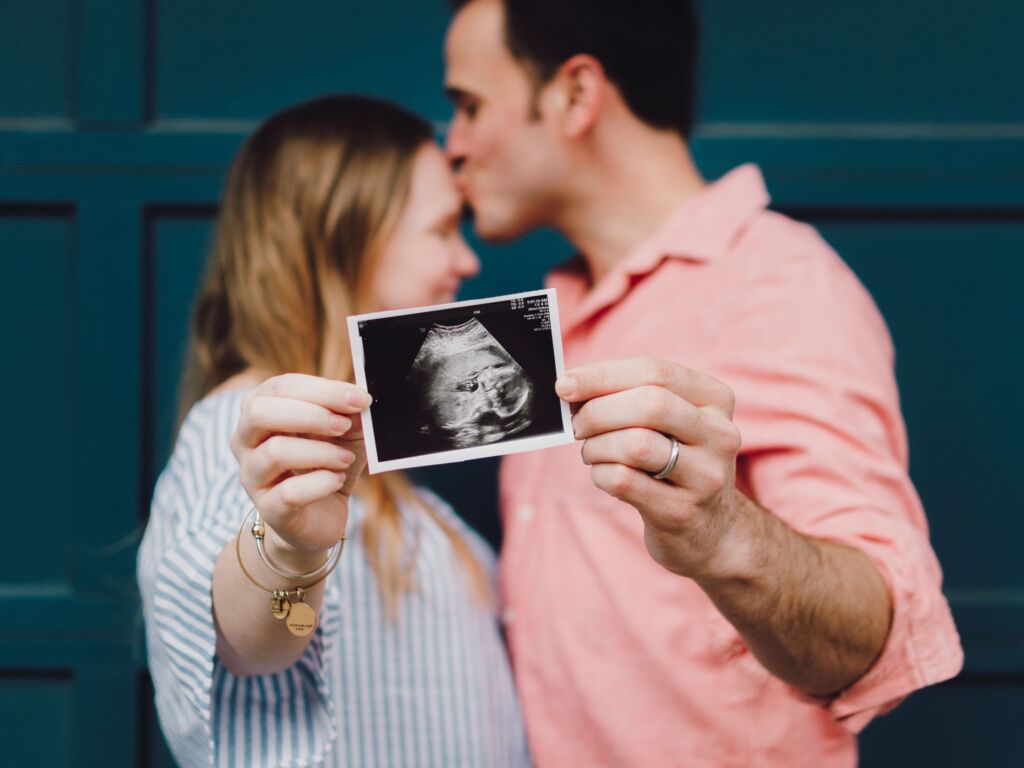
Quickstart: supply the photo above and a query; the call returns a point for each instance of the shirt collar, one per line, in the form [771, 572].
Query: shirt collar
[706, 223]
[699, 229]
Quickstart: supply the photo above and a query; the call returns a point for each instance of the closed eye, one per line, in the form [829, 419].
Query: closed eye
[465, 104]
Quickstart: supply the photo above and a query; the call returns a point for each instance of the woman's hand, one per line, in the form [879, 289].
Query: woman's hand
[299, 445]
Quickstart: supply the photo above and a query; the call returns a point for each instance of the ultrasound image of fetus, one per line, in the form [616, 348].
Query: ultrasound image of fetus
[472, 391]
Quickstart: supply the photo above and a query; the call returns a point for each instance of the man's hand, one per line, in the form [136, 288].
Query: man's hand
[630, 411]
[815, 613]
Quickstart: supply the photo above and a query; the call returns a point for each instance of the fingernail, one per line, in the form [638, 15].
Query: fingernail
[347, 457]
[359, 399]
[566, 386]
[575, 429]
[340, 424]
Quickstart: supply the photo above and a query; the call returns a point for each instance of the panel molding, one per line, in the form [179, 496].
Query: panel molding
[721, 130]
[153, 215]
[106, 394]
[64, 618]
[111, 76]
[812, 170]
[992, 631]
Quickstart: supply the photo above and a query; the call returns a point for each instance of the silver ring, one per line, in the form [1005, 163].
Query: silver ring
[672, 459]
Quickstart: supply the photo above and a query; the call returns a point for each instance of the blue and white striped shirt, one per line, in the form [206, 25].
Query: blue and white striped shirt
[430, 689]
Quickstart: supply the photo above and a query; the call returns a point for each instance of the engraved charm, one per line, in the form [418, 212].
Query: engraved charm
[279, 605]
[301, 619]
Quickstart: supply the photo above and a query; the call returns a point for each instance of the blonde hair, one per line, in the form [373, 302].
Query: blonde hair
[308, 201]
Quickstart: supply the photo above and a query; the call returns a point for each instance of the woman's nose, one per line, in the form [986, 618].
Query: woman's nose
[467, 264]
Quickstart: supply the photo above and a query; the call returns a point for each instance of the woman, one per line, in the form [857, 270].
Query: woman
[260, 653]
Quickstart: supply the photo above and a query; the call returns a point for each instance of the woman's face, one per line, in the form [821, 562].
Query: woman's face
[425, 259]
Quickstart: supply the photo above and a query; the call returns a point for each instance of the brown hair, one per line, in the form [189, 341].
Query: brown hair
[308, 201]
[648, 48]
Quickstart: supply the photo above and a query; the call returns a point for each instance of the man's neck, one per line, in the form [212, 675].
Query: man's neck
[622, 199]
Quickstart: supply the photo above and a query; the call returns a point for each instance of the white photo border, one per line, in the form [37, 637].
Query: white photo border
[502, 448]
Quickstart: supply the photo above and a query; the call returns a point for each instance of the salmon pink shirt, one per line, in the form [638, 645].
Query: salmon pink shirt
[618, 661]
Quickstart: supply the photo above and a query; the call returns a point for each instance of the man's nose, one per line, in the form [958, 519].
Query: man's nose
[454, 143]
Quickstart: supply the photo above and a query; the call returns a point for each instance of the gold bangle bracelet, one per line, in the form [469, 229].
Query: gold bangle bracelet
[259, 532]
[299, 615]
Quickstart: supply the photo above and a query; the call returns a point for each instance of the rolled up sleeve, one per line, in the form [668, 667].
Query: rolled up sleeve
[208, 715]
[824, 449]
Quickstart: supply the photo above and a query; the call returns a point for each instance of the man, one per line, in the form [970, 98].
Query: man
[738, 572]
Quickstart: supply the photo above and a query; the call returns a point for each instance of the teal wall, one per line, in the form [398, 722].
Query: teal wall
[897, 127]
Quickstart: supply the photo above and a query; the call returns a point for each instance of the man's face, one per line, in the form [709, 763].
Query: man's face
[507, 160]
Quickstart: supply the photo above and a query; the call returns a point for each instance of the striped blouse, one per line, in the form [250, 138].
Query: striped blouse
[430, 689]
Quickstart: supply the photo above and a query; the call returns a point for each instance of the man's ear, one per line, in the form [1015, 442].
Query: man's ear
[582, 85]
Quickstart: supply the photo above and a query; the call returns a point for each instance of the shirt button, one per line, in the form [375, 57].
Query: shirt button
[508, 616]
[525, 512]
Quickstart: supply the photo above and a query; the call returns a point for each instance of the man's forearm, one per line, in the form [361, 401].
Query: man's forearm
[660, 437]
[816, 614]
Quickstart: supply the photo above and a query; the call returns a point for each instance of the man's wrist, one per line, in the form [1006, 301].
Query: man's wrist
[735, 559]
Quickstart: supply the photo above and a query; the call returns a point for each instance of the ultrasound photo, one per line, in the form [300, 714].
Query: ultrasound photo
[460, 381]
